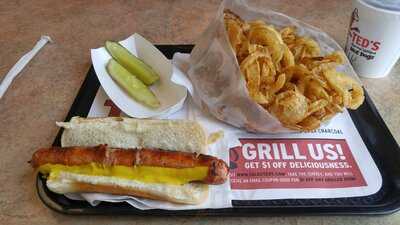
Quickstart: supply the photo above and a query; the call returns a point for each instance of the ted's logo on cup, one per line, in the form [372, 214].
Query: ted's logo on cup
[357, 44]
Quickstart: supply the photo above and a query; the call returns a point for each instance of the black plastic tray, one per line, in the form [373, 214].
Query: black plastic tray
[369, 123]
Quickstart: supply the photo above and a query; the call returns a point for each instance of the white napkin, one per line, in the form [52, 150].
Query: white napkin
[22, 62]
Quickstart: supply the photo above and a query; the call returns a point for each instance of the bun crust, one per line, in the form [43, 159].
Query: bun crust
[120, 132]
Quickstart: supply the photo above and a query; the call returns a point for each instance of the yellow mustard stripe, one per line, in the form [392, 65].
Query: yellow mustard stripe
[146, 174]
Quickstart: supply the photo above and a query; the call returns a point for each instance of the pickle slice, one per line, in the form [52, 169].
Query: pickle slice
[132, 63]
[132, 85]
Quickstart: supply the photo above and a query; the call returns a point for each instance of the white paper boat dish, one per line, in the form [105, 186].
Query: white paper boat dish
[171, 95]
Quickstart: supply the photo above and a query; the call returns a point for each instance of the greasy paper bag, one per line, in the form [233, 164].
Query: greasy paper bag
[219, 87]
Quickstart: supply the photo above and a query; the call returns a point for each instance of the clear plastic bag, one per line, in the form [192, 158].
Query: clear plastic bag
[219, 87]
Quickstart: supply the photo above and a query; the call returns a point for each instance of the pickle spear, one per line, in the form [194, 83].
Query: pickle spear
[131, 63]
[132, 85]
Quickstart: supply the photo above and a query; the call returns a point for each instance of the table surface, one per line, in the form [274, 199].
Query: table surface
[46, 88]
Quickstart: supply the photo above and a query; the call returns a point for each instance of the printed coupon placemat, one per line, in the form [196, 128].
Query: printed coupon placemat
[331, 162]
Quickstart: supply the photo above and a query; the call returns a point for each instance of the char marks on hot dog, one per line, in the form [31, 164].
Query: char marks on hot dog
[72, 156]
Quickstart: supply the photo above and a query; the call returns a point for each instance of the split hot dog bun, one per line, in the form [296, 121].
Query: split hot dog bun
[155, 159]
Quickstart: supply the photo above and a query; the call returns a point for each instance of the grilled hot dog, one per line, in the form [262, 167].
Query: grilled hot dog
[71, 156]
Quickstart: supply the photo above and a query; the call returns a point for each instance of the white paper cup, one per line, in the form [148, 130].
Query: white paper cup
[373, 41]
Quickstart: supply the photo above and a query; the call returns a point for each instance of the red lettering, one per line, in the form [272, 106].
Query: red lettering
[375, 46]
[355, 35]
[359, 40]
[114, 111]
[364, 43]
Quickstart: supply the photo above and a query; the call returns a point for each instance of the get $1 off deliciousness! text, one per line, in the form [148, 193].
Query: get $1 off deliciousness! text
[293, 163]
